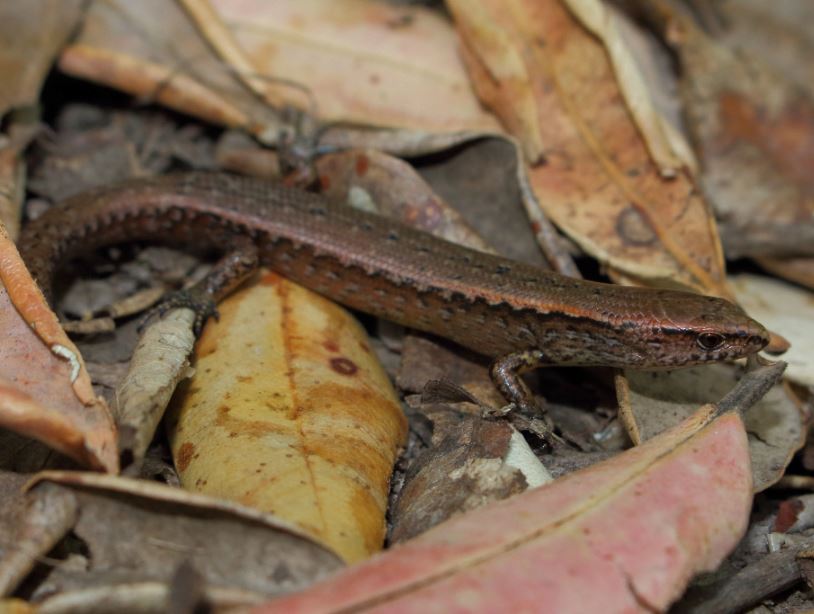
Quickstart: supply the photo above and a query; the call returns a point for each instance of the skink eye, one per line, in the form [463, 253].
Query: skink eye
[710, 341]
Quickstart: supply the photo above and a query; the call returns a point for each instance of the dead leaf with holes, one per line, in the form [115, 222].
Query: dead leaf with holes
[626, 534]
[553, 86]
[290, 412]
[45, 390]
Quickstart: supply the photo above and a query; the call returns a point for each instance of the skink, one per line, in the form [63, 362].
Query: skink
[520, 315]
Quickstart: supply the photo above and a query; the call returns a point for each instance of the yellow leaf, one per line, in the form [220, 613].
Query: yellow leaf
[290, 412]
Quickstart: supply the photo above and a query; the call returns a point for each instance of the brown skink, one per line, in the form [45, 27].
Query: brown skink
[520, 315]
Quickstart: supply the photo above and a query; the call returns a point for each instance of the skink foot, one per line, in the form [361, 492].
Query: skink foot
[196, 300]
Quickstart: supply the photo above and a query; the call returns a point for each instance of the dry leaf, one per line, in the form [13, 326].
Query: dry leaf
[597, 180]
[377, 182]
[777, 32]
[798, 270]
[290, 412]
[624, 535]
[49, 514]
[754, 131]
[665, 142]
[151, 49]
[137, 531]
[360, 61]
[659, 400]
[159, 362]
[31, 35]
[467, 466]
[483, 181]
[142, 597]
[16, 606]
[12, 173]
[298, 52]
[45, 391]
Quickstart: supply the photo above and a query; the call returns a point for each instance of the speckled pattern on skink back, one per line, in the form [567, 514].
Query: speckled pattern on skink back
[488, 304]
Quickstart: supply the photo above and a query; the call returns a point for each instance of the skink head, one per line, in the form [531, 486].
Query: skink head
[689, 329]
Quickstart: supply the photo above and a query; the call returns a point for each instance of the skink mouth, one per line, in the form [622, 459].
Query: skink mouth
[752, 345]
[759, 338]
[755, 343]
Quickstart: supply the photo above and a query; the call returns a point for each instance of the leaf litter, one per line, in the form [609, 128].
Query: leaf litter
[456, 467]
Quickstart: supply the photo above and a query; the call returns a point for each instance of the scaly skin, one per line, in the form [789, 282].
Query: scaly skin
[488, 304]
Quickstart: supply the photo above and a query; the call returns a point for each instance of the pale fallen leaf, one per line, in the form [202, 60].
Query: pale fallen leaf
[660, 400]
[624, 535]
[45, 391]
[360, 61]
[296, 52]
[597, 181]
[289, 412]
[159, 362]
[135, 597]
[49, 513]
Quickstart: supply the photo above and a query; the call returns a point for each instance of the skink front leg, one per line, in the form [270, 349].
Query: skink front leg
[226, 275]
[506, 371]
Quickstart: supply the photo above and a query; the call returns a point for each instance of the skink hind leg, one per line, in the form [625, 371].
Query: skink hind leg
[506, 372]
[226, 275]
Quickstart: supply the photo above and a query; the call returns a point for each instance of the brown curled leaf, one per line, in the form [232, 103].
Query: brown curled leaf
[594, 175]
[45, 390]
[159, 362]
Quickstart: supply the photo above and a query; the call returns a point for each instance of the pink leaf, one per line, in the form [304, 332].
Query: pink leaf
[623, 535]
